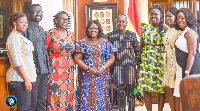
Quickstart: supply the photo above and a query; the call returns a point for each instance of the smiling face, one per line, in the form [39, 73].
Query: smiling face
[62, 21]
[181, 20]
[121, 23]
[169, 17]
[93, 30]
[21, 24]
[154, 16]
[36, 13]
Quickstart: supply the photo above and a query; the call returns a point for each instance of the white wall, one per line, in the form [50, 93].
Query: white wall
[50, 8]
[143, 11]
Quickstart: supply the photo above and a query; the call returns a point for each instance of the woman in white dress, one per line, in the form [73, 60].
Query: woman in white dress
[186, 47]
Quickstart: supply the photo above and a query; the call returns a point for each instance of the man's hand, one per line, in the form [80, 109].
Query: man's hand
[49, 78]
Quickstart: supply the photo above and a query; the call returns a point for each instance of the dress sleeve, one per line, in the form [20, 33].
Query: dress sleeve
[143, 28]
[73, 40]
[110, 48]
[71, 34]
[13, 46]
[79, 47]
[48, 38]
[136, 48]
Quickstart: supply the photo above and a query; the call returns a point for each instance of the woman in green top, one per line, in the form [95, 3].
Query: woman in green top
[151, 68]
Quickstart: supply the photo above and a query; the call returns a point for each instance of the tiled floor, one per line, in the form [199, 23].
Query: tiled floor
[154, 108]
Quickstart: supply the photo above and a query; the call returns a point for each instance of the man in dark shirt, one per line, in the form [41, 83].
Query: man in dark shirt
[124, 68]
[36, 35]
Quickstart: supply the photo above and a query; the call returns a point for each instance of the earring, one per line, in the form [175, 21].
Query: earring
[14, 27]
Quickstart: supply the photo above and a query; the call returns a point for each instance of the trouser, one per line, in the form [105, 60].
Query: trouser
[39, 93]
[23, 97]
[125, 92]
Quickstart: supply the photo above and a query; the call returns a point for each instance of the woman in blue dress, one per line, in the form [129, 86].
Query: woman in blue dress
[94, 57]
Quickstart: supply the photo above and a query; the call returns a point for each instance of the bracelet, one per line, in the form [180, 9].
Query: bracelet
[186, 71]
[104, 68]
[88, 70]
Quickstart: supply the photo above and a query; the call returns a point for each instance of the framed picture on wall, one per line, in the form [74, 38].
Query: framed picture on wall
[105, 13]
[2, 26]
[101, 1]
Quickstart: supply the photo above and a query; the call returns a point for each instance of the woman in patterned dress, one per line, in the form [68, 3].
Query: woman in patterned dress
[60, 45]
[151, 68]
[94, 56]
[170, 57]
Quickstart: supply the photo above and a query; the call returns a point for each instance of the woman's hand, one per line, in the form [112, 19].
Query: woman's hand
[28, 85]
[100, 70]
[93, 71]
[186, 74]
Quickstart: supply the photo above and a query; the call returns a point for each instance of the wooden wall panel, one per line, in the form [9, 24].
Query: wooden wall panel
[81, 15]
[120, 5]
[6, 4]
[3, 94]
[81, 18]
[4, 65]
[165, 4]
[11, 6]
[170, 3]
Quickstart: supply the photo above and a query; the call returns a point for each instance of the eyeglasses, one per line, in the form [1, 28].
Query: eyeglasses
[62, 19]
[37, 13]
[94, 29]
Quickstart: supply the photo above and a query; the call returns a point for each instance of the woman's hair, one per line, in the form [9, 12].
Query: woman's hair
[172, 10]
[189, 16]
[161, 19]
[100, 33]
[15, 16]
[57, 15]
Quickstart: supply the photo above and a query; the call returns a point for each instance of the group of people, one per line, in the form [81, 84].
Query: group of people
[169, 52]
[43, 62]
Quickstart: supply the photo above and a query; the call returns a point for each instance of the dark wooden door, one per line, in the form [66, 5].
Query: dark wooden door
[164, 4]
